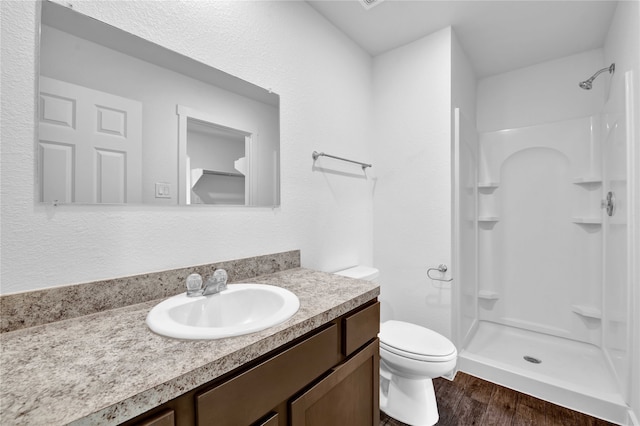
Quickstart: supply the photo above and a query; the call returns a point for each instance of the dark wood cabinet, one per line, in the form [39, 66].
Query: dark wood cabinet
[348, 396]
[328, 377]
[166, 418]
[247, 397]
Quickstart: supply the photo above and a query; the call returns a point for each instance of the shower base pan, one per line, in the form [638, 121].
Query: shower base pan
[562, 371]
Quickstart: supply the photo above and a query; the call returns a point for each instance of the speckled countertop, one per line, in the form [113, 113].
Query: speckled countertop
[108, 367]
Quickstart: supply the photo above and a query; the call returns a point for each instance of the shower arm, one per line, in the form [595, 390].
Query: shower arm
[611, 68]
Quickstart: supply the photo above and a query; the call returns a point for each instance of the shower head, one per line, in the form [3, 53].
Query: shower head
[588, 84]
[368, 4]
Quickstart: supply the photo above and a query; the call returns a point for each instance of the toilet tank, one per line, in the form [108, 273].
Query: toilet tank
[360, 272]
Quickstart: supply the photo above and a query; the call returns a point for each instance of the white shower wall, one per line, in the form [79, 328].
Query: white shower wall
[621, 310]
[538, 199]
[548, 148]
[540, 228]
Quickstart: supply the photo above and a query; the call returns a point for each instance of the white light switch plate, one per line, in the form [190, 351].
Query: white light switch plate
[163, 190]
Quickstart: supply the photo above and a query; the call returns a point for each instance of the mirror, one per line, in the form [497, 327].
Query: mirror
[123, 120]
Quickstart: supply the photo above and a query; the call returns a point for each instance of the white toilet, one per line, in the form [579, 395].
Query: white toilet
[410, 357]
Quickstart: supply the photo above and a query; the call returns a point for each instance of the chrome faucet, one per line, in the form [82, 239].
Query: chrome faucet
[215, 284]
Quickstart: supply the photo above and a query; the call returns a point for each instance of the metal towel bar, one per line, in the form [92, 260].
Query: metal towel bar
[441, 268]
[317, 154]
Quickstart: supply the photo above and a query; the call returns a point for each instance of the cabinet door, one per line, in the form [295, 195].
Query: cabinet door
[349, 396]
[247, 397]
[272, 419]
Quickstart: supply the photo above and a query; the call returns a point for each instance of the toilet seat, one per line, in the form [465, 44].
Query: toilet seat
[415, 342]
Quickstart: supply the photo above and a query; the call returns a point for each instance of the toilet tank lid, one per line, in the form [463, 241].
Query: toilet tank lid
[360, 272]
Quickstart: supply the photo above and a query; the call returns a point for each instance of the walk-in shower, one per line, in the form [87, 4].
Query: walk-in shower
[541, 269]
[588, 84]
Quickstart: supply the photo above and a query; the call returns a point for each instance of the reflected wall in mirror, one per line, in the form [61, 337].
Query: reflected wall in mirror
[123, 120]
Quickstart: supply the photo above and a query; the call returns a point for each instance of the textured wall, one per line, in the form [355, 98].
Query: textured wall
[324, 83]
[412, 201]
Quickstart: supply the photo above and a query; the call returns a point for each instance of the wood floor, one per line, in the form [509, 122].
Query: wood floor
[471, 401]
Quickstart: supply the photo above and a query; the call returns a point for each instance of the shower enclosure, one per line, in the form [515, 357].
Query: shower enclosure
[542, 265]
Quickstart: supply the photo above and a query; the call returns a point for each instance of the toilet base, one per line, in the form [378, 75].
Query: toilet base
[411, 401]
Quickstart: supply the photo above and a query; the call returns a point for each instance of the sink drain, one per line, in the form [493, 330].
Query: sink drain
[531, 359]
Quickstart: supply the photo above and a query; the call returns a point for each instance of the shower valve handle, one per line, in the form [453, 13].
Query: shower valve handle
[609, 203]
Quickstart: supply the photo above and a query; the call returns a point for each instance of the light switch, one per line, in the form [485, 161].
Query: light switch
[163, 190]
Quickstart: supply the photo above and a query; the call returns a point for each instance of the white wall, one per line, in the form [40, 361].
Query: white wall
[542, 93]
[463, 80]
[324, 83]
[214, 151]
[464, 230]
[622, 46]
[412, 194]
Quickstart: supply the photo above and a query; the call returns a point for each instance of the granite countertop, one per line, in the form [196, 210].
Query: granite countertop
[108, 367]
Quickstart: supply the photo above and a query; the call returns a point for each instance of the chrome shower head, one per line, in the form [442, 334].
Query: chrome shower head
[588, 84]
[368, 4]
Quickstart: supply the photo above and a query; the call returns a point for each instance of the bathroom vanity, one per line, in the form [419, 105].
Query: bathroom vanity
[109, 368]
[328, 376]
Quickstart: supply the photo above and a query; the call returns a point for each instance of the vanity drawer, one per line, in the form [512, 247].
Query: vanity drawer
[249, 396]
[360, 327]
[166, 418]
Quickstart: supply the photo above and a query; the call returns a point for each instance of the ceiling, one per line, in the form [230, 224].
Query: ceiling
[498, 36]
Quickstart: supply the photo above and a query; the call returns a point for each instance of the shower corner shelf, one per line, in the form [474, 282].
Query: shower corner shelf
[490, 219]
[488, 295]
[587, 180]
[587, 311]
[587, 220]
[488, 185]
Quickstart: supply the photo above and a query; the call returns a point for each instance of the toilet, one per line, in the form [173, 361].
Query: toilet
[411, 356]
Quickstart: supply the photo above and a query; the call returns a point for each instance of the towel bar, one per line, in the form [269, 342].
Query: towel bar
[317, 154]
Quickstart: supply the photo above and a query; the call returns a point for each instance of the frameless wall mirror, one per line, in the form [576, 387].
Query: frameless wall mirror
[123, 120]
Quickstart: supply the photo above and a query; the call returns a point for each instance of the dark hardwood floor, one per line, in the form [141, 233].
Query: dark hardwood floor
[470, 401]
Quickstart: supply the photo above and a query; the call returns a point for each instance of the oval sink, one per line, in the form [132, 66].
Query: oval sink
[240, 309]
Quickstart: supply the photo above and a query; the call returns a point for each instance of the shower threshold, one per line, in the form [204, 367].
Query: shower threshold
[562, 371]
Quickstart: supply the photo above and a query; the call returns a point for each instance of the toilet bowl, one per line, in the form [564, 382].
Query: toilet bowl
[410, 357]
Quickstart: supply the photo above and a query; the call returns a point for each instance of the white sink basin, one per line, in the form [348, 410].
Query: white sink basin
[240, 309]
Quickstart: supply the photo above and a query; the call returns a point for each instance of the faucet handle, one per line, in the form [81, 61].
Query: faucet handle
[220, 276]
[194, 284]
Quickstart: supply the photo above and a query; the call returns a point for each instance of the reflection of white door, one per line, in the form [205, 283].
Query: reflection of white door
[90, 145]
